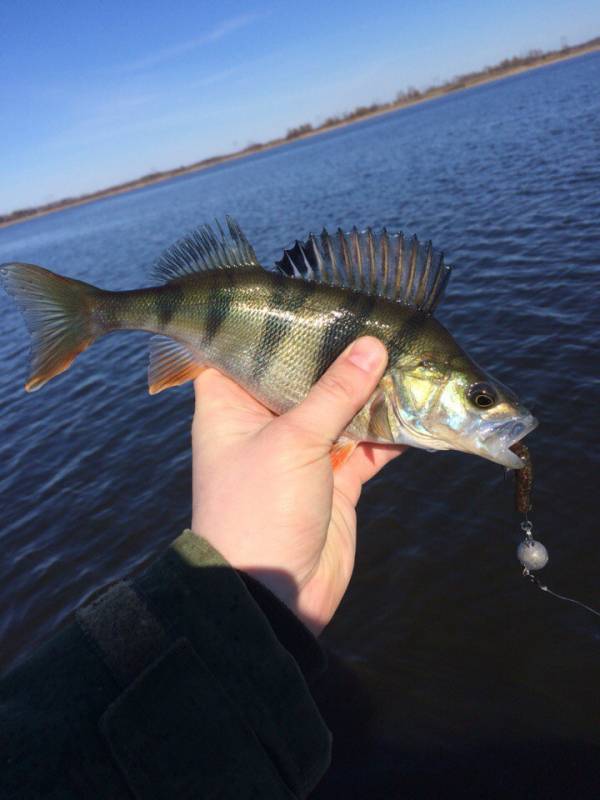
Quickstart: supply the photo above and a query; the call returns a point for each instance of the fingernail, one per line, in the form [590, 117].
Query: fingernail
[366, 355]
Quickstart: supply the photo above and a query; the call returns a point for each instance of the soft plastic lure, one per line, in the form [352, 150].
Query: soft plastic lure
[531, 553]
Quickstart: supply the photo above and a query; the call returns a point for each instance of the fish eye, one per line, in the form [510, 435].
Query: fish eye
[482, 395]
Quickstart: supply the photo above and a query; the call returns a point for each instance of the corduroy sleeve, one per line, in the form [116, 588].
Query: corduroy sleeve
[189, 681]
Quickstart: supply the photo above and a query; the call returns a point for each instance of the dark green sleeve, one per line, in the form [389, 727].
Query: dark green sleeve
[191, 681]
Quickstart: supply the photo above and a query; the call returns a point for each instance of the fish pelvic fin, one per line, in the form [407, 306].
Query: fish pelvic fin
[341, 452]
[171, 364]
[58, 312]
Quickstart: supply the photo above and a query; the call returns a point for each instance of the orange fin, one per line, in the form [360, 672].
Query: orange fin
[57, 311]
[171, 364]
[341, 452]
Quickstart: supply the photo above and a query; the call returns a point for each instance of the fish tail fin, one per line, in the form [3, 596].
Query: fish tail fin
[58, 313]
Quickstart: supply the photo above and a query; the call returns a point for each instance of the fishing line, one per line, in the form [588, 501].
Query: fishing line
[541, 586]
[532, 554]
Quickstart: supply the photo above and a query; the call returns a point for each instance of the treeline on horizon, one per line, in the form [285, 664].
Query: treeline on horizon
[412, 95]
[403, 98]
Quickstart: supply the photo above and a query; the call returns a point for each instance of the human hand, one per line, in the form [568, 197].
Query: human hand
[264, 491]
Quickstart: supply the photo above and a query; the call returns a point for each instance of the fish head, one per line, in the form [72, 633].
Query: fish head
[442, 400]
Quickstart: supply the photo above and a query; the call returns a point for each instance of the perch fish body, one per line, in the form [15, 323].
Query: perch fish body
[276, 331]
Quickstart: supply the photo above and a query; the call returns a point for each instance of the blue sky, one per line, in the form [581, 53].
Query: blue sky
[94, 93]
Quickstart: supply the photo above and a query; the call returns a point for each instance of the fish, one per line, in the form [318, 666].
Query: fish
[276, 330]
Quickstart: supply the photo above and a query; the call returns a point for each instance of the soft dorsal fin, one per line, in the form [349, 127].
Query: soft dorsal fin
[205, 249]
[384, 265]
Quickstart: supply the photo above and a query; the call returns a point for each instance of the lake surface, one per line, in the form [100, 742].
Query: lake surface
[449, 671]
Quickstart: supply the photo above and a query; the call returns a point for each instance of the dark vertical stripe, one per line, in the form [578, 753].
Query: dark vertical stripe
[167, 301]
[401, 340]
[219, 304]
[338, 334]
[287, 295]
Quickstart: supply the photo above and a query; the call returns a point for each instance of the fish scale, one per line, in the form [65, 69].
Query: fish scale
[275, 332]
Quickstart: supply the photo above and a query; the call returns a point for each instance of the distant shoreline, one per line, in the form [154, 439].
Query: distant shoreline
[412, 97]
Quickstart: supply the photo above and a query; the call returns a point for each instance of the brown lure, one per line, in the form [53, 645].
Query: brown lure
[531, 553]
[523, 479]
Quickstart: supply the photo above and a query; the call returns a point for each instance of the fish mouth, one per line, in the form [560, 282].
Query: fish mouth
[498, 442]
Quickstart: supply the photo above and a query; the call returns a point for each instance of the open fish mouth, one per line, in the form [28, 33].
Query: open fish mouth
[498, 442]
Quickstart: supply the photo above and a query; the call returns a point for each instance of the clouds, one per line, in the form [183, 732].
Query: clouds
[218, 32]
[96, 93]
[130, 110]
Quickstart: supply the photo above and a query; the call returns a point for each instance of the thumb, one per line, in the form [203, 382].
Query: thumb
[342, 390]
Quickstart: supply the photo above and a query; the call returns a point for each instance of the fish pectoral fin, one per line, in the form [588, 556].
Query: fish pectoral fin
[341, 452]
[171, 364]
[379, 423]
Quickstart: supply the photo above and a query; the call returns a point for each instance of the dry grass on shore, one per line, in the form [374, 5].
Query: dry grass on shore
[506, 68]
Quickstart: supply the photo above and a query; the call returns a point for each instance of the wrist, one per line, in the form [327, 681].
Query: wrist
[277, 582]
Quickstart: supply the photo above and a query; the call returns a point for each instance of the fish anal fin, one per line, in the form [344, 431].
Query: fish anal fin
[341, 452]
[171, 364]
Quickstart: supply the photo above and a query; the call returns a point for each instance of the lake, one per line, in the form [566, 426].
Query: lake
[448, 670]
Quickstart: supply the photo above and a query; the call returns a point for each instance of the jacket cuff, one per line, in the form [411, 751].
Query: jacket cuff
[293, 634]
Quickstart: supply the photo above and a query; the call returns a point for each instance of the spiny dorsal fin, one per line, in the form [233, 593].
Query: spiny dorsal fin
[205, 249]
[384, 265]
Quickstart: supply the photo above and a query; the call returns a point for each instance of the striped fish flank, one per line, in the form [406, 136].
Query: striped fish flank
[275, 331]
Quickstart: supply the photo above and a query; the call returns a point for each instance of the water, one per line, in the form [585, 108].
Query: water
[445, 662]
